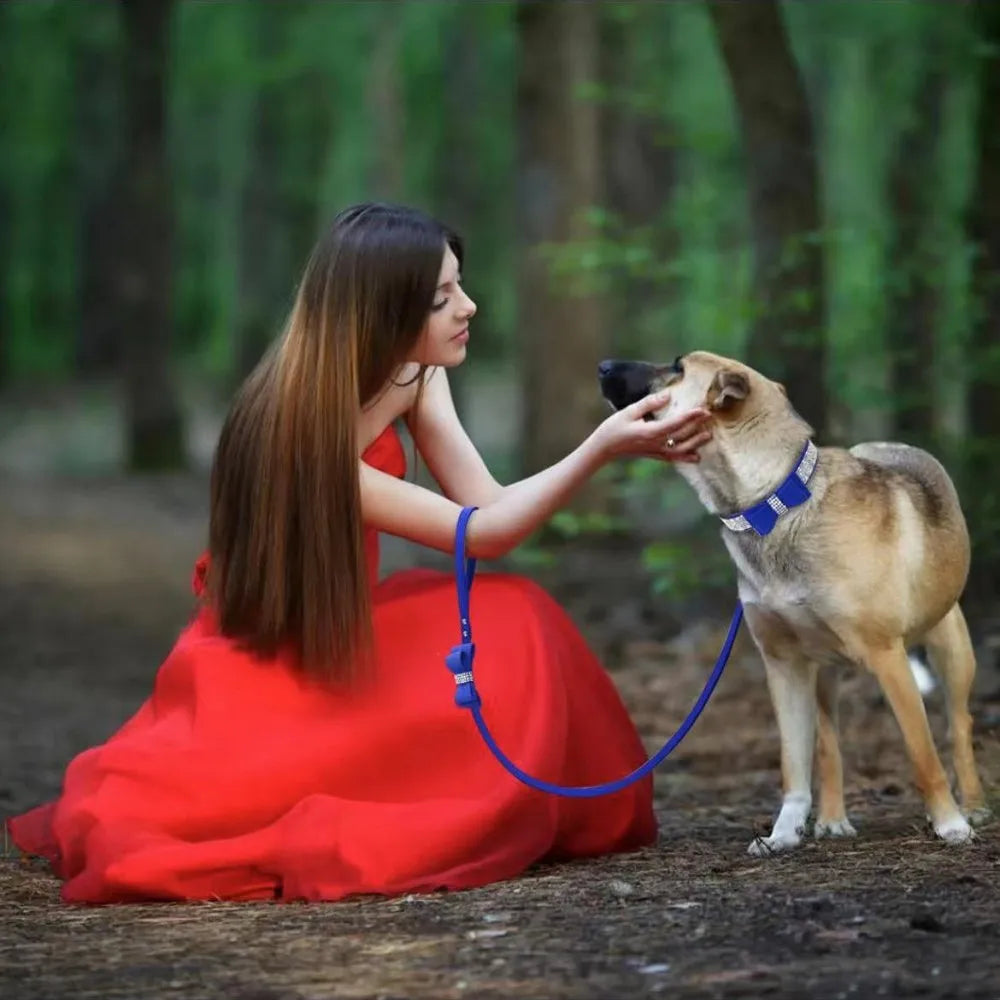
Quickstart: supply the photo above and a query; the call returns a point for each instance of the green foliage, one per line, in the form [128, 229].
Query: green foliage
[688, 558]
[38, 169]
[272, 129]
[311, 61]
[679, 569]
[568, 524]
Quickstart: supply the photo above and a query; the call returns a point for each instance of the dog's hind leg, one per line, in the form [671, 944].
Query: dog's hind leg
[891, 667]
[792, 682]
[831, 817]
[950, 650]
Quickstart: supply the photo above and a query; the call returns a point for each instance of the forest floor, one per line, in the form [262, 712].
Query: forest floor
[94, 587]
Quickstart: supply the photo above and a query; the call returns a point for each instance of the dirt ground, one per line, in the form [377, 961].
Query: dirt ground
[93, 588]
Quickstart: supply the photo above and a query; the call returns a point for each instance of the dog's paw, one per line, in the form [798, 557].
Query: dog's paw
[766, 847]
[834, 828]
[979, 816]
[955, 830]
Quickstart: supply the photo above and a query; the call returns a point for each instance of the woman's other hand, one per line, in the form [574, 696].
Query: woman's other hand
[628, 433]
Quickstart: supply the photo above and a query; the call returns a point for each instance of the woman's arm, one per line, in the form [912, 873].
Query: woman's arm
[402, 508]
[508, 515]
[447, 449]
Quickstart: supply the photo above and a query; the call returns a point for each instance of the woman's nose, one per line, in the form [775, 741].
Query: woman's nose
[468, 307]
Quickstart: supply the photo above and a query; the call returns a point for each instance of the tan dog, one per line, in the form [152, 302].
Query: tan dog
[863, 553]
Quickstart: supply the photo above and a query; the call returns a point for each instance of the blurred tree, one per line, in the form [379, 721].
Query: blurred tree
[307, 123]
[561, 329]
[639, 163]
[461, 191]
[262, 268]
[914, 250]
[294, 136]
[983, 473]
[786, 339]
[463, 100]
[385, 105]
[98, 80]
[38, 171]
[213, 83]
[6, 199]
[639, 166]
[155, 431]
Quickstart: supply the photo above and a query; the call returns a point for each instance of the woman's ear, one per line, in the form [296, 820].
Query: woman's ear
[727, 389]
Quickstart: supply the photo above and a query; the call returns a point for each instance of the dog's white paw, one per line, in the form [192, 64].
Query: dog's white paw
[979, 816]
[765, 847]
[834, 828]
[955, 830]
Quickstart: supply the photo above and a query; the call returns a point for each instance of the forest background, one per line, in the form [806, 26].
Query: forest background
[811, 187]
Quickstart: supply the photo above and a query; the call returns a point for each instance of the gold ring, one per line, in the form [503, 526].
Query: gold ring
[671, 443]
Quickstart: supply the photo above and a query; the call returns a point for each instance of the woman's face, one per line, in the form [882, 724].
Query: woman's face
[446, 334]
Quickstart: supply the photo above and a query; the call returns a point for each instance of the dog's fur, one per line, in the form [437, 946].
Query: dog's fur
[872, 564]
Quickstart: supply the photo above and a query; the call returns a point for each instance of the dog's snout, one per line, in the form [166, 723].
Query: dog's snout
[624, 382]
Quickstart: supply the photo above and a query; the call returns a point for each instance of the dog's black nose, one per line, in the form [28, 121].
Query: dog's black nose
[624, 382]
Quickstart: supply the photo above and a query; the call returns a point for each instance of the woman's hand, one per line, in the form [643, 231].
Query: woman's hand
[627, 433]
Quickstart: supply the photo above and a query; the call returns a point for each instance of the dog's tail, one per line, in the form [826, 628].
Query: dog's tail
[926, 681]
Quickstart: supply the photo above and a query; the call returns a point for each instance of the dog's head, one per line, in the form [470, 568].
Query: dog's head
[731, 391]
[755, 430]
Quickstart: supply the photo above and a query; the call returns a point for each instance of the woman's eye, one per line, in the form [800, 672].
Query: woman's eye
[437, 306]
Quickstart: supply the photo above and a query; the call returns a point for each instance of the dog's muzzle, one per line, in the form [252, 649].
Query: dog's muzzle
[625, 382]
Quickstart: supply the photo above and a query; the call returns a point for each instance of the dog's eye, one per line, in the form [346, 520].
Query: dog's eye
[678, 365]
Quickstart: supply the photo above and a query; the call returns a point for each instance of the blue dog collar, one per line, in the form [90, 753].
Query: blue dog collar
[763, 516]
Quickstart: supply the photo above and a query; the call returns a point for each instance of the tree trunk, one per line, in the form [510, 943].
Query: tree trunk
[913, 302]
[984, 225]
[640, 171]
[562, 336]
[6, 252]
[385, 103]
[460, 191]
[265, 278]
[98, 81]
[982, 492]
[639, 168]
[290, 139]
[787, 339]
[155, 432]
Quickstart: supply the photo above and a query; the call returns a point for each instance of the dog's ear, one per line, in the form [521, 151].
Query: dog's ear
[727, 389]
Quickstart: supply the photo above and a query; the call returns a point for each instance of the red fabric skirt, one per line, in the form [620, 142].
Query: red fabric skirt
[240, 779]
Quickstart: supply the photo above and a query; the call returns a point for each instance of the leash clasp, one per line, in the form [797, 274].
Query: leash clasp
[459, 662]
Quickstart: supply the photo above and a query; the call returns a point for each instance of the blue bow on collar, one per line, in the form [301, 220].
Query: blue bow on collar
[762, 517]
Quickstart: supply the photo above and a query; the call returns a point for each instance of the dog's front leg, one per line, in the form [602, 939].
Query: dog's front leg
[831, 816]
[792, 682]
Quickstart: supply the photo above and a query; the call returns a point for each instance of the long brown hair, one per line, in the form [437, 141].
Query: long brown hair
[287, 565]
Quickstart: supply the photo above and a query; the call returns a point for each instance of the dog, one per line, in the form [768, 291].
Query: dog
[843, 557]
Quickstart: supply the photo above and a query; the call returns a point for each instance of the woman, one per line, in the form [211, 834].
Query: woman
[301, 740]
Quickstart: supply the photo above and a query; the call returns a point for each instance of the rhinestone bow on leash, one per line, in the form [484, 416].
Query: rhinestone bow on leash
[460, 663]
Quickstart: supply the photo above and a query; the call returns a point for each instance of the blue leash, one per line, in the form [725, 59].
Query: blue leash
[459, 662]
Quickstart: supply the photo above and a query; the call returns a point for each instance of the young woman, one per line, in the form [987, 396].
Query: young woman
[301, 740]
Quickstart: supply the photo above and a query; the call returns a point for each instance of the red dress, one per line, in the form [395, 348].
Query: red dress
[237, 779]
